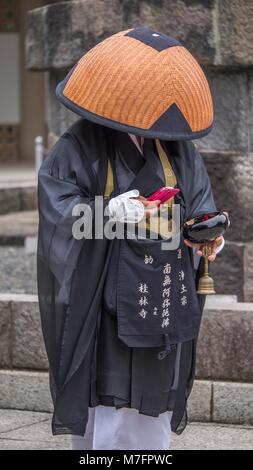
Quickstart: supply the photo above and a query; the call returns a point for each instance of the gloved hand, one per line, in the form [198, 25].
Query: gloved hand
[124, 208]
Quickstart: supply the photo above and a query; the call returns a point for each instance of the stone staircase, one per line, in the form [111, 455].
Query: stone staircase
[222, 392]
[18, 228]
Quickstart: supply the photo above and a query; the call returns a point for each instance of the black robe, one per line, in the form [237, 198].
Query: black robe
[89, 365]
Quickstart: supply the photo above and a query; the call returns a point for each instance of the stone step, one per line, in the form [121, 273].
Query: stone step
[25, 390]
[21, 343]
[18, 270]
[225, 342]
[210, 401]
[233, 270]
[224, 348]
[18, 196]
[219, 300]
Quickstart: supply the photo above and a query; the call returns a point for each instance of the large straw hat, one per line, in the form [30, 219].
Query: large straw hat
[143, 82]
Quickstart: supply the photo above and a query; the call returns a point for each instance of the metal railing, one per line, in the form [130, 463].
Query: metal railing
[40, 151]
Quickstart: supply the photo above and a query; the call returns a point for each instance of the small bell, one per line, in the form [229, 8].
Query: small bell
[206, 283]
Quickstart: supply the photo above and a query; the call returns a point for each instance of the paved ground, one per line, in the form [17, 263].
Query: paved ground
[31, 430]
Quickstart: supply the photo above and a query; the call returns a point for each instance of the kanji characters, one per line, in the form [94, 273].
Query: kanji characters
[184, 300]
[143, 288]
[166, 303]
[155, 311]
[143, 301]
[166, 292]
[148, 259]
[165, 312]
[143, 313]
[167, 268]
[181, 275]
[183, 289]
[165, 322]
[167, 280]
[166, 295]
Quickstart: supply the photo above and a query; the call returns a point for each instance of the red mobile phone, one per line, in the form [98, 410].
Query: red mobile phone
[163, 194]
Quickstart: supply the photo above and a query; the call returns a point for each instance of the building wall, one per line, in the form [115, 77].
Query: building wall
[22, 110]
[10, 78]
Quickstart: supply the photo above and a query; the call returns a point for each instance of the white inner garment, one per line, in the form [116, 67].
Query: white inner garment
[124, 429]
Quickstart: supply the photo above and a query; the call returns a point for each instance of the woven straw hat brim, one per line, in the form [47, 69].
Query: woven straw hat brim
[130, 83]
[149, 134]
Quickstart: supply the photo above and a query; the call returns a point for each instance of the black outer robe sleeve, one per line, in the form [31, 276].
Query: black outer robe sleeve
[70, 272]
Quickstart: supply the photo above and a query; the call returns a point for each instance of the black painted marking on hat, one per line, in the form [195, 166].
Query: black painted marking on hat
[175, 118]
[152, 38]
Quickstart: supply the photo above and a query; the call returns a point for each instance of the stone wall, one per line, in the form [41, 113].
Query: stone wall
[219, 33]
[220, 355]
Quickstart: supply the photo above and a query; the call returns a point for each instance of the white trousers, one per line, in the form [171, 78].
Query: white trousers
[123, 429]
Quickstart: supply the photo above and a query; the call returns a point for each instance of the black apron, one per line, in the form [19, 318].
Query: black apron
[134, 377]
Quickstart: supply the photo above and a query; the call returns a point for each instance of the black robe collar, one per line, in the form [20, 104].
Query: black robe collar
[134, 170]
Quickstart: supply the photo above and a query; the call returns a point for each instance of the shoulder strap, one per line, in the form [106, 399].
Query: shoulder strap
[109, 186]
[170, 177]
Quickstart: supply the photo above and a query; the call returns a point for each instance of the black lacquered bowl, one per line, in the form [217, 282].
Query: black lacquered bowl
[205, 227]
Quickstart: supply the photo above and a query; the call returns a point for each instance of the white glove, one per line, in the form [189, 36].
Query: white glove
[124, 209]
